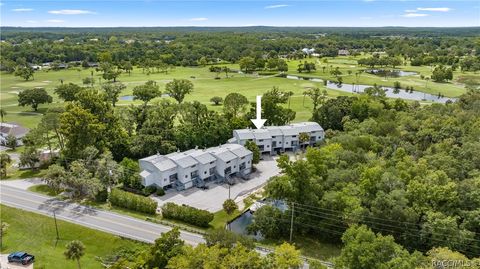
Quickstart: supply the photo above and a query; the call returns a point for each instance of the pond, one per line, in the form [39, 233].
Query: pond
[389, 92]
[390, 73]
[130, 97]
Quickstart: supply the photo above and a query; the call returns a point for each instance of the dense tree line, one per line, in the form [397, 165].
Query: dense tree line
[187, 214]
[401, 169]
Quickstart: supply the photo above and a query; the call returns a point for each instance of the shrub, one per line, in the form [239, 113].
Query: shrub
[132, 201]
[149, 190]
[160, 192]
[187, 214]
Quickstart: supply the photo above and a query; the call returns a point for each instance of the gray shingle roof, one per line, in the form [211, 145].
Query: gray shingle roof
[307, 126]
[261, 134]
[222, 153]
[288, 130]
[238, 150]
[161, 162]
[14, 129]
[182, 159]
[274, 130]
[243, 134]
[202, 156]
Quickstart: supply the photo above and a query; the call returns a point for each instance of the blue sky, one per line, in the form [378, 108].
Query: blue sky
[110, 13]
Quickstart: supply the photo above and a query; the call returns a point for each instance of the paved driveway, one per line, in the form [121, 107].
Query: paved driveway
[213, 198]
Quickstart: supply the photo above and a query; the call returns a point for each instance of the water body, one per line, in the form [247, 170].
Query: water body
[390, 73]
[389, 92]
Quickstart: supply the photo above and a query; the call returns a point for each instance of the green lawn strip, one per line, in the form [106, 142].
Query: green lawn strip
[308, 247]
[35, 234]
[14, 173]
[43, 189]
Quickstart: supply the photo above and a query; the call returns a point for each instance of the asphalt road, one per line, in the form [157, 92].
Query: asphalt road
[106, 221]
[121, 225]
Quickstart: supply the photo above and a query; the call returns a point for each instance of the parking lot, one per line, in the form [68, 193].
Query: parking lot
[213, 198]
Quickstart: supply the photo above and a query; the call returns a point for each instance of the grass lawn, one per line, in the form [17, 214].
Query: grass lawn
[35, 234]
[206, 86]
[309, 247]
[14, 173]
[43, 189]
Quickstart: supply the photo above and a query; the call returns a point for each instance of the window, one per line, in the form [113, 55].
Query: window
[234, 166]
[228, 162]
[205, 172]
[164, 179]
[212, 162]
[286, 143]
[273, 136]
[294, 136]
[242, 166]
[268, 146]
[193, 166]
[243, 157]
[261, 140]
[248, 162]
[186, 176]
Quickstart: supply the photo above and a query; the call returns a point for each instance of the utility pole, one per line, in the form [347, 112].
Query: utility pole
[56, 227]
[291, 222]
[229, 191]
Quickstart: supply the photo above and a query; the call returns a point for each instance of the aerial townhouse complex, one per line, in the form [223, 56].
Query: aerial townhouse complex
[278, 139]
[183, 170]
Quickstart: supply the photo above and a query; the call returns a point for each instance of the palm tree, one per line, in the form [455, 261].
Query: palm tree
[5, 160]
[303, 138]
[75, 250]
[3, 113]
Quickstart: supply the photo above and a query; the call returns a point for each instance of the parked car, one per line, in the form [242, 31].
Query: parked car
[21, 257]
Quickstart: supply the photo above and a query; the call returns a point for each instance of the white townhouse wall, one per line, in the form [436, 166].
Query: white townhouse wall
[158, 170]
[290, 137]
[277, 138]
[227, 162]
[273, 139]
[314, 129]
[206, 163]
[244, 160]
[187, 169]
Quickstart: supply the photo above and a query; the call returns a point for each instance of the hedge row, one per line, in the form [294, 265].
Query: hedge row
[132, 201]
[187, 214]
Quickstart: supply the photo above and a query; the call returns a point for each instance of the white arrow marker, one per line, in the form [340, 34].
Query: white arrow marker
[259, 122]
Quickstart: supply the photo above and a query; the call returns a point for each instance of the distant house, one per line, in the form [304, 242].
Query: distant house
[14, 129]
[343, 53]
[308, 51]
[274, 139]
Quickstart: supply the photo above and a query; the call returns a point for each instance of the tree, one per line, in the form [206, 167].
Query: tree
[228, 239]
[25, 72]
[167, 246]
[268, 220]
[80, 128]
[234, 104]
[363, 249]
[396, 87]
[74, 251]
[68, 91]
[33, 97]
[3, 113]
[110, 71]
[113, 90]
[229, 206]
[11, 141]
[272, 107]
[303, 138]
[55, 177]
[30, 157]
[108, 171]
[318, 96]
[286, 256]
[247, 64]
[216, 100]
[146, 92]
[5, 160]
[250, 145]
[178, 88]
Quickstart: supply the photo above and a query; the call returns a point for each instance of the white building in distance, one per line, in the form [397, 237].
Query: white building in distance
[277, 139]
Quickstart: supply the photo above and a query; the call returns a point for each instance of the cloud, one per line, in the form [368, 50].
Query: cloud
[434, 9]
[411, 10]
[22, 9]
[55, 21]
[70, 12]
[31, 21]
[276, 6]
[414, 15]
[198, 19]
